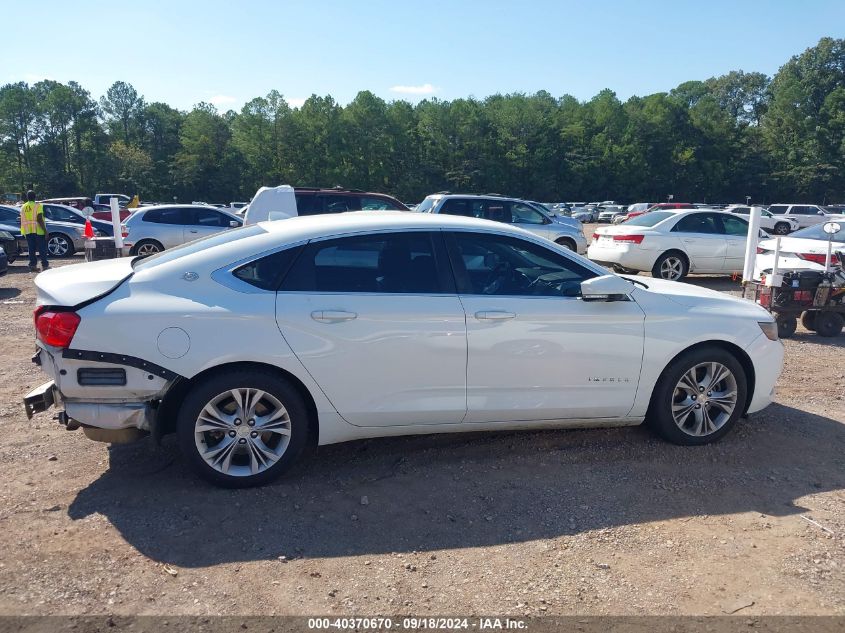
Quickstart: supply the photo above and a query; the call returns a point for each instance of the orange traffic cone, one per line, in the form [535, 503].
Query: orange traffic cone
[89, 230]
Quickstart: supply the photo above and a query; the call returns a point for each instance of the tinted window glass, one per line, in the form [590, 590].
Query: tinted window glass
[377, 204]
[805, 210]
[467, 207]
[698, 223]
[734, 226]
[816, 232]
[60, 214]
[741, 210]
[523, 214]
[388, 263]
[209, 217]
[335, 204]
[9, 215]
[304, 203]
[649, 219]
[165, 216]
[778, 209]
[497, 210]
[425, 206]
[497, 265]
[267, 273]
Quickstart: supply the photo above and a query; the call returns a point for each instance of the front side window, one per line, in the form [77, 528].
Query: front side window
[698, 223]
[499, 265]
[734, 226]
[523, 214]
[209, 217]
[778, 209]
[497, 210]
[383, 263]
[9, 215]
[165, 216]
[467, 207]
[60, 214]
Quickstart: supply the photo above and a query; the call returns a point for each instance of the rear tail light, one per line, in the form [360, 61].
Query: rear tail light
[817, 258]
[55, 328]
[124, 231]
[630, 239]
[760, 251]
[595, 236]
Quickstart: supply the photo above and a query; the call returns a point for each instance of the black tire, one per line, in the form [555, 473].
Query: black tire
[781, 228]
[786, 325]
[660, 418]
[829, 323]
[566, 243]
[212, 387]
[59, 245]
[658, 270]
[624, 271]
[808, 319]
[147, 245]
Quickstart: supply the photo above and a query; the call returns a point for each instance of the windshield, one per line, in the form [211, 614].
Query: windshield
[816, 232]
[141, 263]
[426, 205]
[649, 219]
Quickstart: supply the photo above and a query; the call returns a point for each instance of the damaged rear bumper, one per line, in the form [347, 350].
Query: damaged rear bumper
[40, 399]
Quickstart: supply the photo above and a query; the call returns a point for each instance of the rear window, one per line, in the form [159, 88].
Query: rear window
[816, 232]
[649, 219]
[267, 273]
[196, 246]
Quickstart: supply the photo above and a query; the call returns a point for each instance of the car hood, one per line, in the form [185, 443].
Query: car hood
[703, 299]
[78, 283]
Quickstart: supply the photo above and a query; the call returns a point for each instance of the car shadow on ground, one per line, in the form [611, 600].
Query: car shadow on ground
[9, 293]
[456, 491]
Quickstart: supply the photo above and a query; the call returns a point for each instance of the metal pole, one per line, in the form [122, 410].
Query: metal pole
[115, 222]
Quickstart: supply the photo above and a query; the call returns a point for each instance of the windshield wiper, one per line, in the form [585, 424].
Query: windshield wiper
[635, 281]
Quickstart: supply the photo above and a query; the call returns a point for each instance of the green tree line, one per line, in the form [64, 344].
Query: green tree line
[743, 133]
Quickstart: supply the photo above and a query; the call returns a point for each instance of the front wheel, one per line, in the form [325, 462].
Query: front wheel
[829, 323]
[786, 325]
[566, 243]
[242, 428]
[145, 248]
[59, 245]
[672, 266]
[781, 228]
[699, 397]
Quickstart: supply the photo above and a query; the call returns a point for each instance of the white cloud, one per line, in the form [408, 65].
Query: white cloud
[425, 89]
[219, 100]
[295, 102]
[34, 78]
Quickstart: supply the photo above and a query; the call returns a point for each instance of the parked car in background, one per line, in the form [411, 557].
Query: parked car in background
[8, 250]
[151, 230]
[86, 205]
[514, 211]
[105, 199]
[671, 243]
[805, 214]
[63, 213]
[804, 249]
[585, 214]
[660, 207]
[780, 225]
[608, 212]
[14, 247]
[505, 330]
[63, 238]
[274, 203]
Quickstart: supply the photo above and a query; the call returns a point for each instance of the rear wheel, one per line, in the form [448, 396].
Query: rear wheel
[786, 325]
[699, 397]
[672, 266]
[808, 319]
[59, 245]
[242, 428]
[144, 248]
[829, 323]
[781, 228]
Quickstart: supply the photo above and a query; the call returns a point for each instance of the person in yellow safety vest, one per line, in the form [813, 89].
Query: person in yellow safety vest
[34, 229]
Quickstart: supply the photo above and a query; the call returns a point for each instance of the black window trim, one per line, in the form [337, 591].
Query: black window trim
[442, 265]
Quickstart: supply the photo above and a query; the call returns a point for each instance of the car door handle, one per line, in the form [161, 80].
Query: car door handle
[494, 315]
[333, 316]
[193, 231]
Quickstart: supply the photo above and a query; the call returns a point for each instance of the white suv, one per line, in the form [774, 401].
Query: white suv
[522, 213]
[804, 214]
[779, 225]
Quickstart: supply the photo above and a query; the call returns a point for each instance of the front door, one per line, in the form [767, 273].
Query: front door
[204, 222]
[703, 240]
[376, 322]
[536, 351]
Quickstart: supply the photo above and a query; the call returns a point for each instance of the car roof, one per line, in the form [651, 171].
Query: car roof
[480, 196]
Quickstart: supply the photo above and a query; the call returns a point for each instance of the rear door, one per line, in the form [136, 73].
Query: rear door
[807, 215]
[528, 218]
[376, 321]
[736, 237]
[703, 241]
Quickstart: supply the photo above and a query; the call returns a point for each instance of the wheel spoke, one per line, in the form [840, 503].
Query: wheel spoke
[212, 419]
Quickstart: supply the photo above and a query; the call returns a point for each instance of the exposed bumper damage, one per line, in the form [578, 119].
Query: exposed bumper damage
[106, 413]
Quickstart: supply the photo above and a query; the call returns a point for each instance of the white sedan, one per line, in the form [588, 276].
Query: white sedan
[804, 249]
[672, 243]
[252, 343]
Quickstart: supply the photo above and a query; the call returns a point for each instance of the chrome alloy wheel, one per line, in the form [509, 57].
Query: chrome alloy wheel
[242, 432]
[672, 268]
[58, 245]
[704, 399]
[147, 249]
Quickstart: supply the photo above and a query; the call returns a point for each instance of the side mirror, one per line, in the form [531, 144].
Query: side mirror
[233, 224]
[606, 288]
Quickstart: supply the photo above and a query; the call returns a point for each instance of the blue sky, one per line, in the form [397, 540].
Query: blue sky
[186, 51]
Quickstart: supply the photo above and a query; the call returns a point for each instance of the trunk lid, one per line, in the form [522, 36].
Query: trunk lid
[72, 285]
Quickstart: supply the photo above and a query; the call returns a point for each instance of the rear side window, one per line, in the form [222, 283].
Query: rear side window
[698, 223]
[335, 204]
[165, 216]
[385, 263]
[9, 215]
[60, 214]
[369, 203]
[467, 207]
[304, 204]
[267, 273]
[734, 226]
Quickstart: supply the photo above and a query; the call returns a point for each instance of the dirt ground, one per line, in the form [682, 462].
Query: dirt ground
[554, 522]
